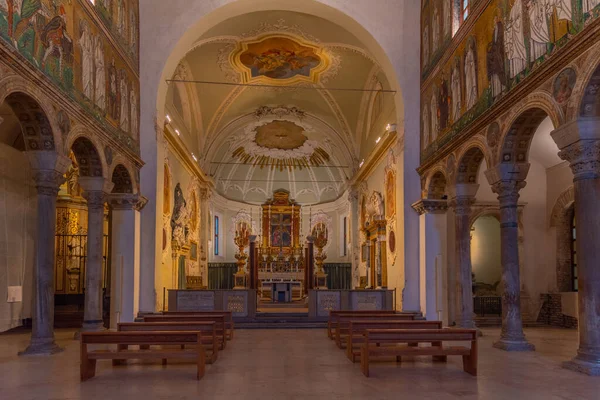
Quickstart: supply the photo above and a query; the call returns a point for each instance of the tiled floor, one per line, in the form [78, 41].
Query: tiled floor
[301, 364]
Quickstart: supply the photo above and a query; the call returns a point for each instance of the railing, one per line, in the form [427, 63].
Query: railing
[487, 305]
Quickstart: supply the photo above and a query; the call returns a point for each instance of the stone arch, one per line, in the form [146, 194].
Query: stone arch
[35, 126]
[517, 139]
[119, 160]
[470, 160]
[437, 184]
[80, 132]
[561, 219]
[590, 97]
[88, 157]
[14, 85]
[123, 183]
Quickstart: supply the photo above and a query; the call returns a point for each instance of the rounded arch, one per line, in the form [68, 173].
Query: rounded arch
[563, 203]
[122, 180]
[469, 161]
[437, 183]
[119, 160]
[88, 157]
[518, 133]
[17, 88]
[90, 148]
[483, 212]
[208, 15]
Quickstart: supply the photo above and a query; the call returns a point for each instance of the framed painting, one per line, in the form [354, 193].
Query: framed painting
[193, 251]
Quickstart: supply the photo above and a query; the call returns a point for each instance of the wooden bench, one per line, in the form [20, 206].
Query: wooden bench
[357, 329]
[218, 319]
[89, 357]
[333, 315]
[228, 318]
[208, 329]
[375, 337]
[342, 325]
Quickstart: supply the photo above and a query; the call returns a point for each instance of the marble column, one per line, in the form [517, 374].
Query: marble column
[48, 169]
[368, 261]
[579, 142]
[506, 181]
[354, 236]
[432, 257]
[463, 197]
[95, 190]
[205, 195]
[125, 257]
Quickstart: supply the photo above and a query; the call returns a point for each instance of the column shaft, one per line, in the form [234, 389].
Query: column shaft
[92, 319]
[464, 279]
[512, 337]
[42, 334]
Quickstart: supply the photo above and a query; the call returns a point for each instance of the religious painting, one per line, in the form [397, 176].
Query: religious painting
[166, 190]
[390, 194]
[279, 58]
[563, 85]
[392, 241]
[193, 251]
[281, 230]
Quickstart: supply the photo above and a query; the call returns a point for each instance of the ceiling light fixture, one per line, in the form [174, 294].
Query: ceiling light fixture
[361, 163]
[194, 157]
[169, 119]
[177, 132]
[378, 140]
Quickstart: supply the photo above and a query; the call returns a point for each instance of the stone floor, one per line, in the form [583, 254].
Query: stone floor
[301, 364]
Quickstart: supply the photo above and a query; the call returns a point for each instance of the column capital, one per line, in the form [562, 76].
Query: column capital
[581, 129]
[430, 206]
[48, 168]
[584, 159]
[95, 190]
[205, 193]
[353, 194]
[126, 201]
[48, 182]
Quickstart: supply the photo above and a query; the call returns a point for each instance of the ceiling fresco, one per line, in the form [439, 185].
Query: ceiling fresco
[279, 100]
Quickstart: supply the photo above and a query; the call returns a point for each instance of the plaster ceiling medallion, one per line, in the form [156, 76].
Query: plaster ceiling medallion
[279, 144]
[279, 59]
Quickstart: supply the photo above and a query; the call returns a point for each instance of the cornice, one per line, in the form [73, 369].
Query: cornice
[182, 152]
[564, 56]
[374, 158]
[430, 206]
[23, 67]
[92, 13]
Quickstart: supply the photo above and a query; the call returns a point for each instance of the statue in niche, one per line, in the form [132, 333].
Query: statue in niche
[180, 218]
[376, 206]
[471, 75]
[72, 175]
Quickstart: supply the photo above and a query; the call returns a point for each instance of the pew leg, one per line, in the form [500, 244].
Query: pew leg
[144, 346]
[87, 369]
[164, 361]
[201, 362]
[398, 359]
[364, 361]
[120, 347]
[439, 358]
[470, 365]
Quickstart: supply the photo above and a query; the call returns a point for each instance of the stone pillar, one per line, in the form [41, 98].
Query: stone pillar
[506, 181]
[432, 257]
[125, 257]
[579, 142]
[95, 190]
[205, 195]
[463, 197]
[49, 169]
[368, 261]
[354, 236]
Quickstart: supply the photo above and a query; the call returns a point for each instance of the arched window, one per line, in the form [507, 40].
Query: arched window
[574, 280]
[464, 10]
[216, 235]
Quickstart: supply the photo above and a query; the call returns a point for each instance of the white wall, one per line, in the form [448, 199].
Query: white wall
[17, 233]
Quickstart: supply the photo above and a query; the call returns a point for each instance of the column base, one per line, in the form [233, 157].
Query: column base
[584, 367]
[510, 345]
[91, 326]
[42, 348]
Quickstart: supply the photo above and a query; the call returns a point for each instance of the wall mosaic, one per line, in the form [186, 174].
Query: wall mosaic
[121, 18]
[59, 38]
[509, 40]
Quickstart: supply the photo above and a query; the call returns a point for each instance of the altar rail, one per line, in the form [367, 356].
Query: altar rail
[241, 303]
[322, 301]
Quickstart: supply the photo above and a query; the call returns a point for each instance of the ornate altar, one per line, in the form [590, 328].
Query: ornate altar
[374, 230]
[280, 254]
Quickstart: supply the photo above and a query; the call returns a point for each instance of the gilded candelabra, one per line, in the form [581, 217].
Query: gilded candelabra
[241, 240]
[320, 241]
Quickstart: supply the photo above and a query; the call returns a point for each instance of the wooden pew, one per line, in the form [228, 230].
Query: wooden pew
[375, 337]
[334, 314]
[218, 319]
[342, 325]
[228, 318]
[357, 329]
[89, 357]
[208, 329]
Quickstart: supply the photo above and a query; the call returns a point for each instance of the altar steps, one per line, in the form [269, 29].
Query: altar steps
[286, 320]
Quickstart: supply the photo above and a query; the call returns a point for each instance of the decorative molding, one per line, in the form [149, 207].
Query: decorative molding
[428, 206]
